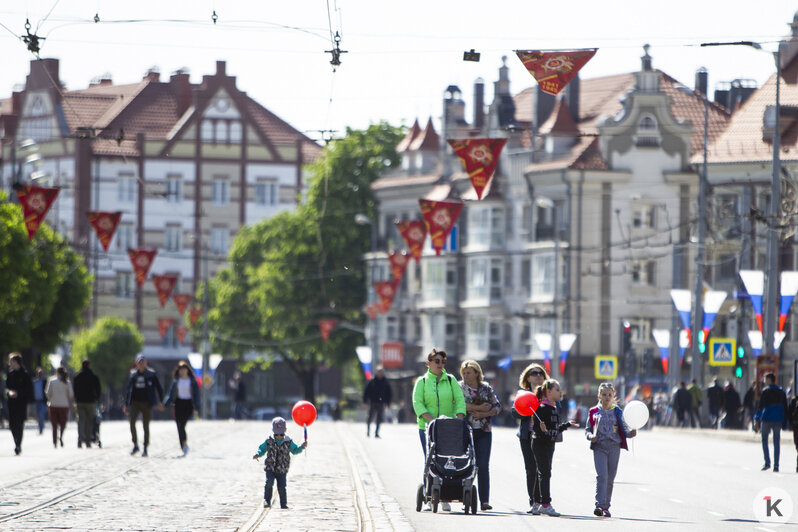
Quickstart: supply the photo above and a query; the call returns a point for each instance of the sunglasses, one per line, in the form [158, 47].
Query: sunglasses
[536, 373]
[438, 360]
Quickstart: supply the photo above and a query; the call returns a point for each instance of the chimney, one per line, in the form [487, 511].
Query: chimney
[221, 68]
[544, 104]
[16, 103]
[181, 88]
[43, 76]
[701, 80]
[572, 98]
[153, 74]
[479, 103]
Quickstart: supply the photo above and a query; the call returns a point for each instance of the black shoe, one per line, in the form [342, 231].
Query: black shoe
[144, 452]
[598, 512]
[376, 435]
[62, 441]
[284, 507]
[17, 451]
[775, 469]
[135, 449]
[80, 444]
[765, 467]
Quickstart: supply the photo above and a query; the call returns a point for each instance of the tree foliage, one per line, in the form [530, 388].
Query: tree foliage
[110, 344]
[44, 284]
[291, 270]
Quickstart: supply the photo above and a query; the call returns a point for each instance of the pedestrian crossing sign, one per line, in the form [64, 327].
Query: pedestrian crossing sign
[722, 351]
[606, 367]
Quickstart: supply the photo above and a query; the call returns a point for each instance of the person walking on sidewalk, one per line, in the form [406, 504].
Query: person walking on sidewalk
[695, 404]
[607, 432]
[436, 393]
[19, 390]
[143, 392]
[239, 388]
[86, 386]
[278, 449]
[39, 399]
[184, 393]
[794, 421]
[481, 405]
[771, 415]
[715, 397]
[377, 396]
[545, 428]
[60, 399]
[533, 376]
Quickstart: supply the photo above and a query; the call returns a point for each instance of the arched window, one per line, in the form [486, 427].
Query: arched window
[647, 123]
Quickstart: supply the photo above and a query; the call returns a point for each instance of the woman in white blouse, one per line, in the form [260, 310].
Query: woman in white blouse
[59, 400]
[184, 392]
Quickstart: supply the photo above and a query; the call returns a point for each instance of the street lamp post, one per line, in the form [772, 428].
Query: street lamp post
[362, 219]
[772, 257]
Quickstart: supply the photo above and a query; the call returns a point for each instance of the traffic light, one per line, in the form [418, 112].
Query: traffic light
[738, 372]
[627, 337]
[740, 353]
[702, 345]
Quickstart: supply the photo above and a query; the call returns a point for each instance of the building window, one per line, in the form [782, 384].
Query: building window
[220, 192]
[266, 192]
[124, 236]
[173, 238]
[174, 189]
[526, 278]
[526, 224]
[486, 226]
[643, 272]
[434, 288]
[124, 285]
[647, 132]
[477, 334]
[220, 240]
[644, 217]
[236, 135]
[478, 278]
[206, 131]
[494, 337]
[222, 135]
[496, 271]
[543, 276]
[126, 188]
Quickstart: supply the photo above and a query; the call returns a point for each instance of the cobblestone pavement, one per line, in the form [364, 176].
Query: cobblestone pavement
[333, 486]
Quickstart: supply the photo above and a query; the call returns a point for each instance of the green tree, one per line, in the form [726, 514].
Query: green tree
[110, 344]
[44, 285]
[292, 270]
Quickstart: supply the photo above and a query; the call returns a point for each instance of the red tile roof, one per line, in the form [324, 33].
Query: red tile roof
[404, 144]
[560, 121]
[427, 140]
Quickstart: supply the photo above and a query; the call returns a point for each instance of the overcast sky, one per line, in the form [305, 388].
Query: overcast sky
[400, 55]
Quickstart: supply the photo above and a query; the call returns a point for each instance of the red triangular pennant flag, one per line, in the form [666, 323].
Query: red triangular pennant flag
[479, 157]
[414, 233]
[398, 262]
[386, 290]
[164, 324]
[104, 224]
[194, 314]
[164, 284]
[182, 301]
[440, 217]
[181, 333]
[326, 327]
[35, 202]
[553, 70]
[141, 259]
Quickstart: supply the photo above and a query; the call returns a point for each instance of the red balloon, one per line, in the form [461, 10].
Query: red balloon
[526, 403]
[303, 413]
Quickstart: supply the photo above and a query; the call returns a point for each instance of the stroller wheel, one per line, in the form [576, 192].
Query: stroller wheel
[419, 497]
[473, 500]
[466, 500]
[436, 498]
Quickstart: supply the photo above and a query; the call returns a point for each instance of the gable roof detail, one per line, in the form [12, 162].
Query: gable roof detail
[405, 143]
[427, 140]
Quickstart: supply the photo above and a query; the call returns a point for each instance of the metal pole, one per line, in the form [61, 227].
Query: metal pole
[555, 337]
[772, 259]
[375, 358]
[95, 242]
[205, 338]
[697, 366]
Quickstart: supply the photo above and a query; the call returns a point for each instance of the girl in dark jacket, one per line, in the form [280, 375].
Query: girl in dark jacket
[533, 376]
[184, 392]
[545, 427]
[19, 389]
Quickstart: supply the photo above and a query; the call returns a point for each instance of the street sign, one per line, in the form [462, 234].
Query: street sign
[392, 357]
[722, 351]
[606, 367]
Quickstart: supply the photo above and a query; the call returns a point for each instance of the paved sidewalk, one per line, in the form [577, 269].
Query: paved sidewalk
[217, 487]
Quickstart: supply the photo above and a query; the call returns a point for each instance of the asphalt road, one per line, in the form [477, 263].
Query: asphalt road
[669, 480]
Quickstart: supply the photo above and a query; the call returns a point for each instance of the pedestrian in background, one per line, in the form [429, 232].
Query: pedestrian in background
[436, 393]
[695, 404]
[749, 404]
[546, 429]
[481, 405]
[377, 396]
[794, 421]
[86, 386]
[60, 399]
[533, 376]
[278, 449]
[715, 398]
[143, 392]
[184, 393]
[607, 433]
[239, 396]
[771, 415]
[39, 399]
[683, 403]
[19, 391]
[731, 405]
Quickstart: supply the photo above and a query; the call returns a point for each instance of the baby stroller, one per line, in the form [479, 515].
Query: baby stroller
[451, 465]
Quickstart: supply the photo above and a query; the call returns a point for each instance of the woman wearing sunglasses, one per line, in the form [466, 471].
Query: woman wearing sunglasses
[435, 394]
[532, 377]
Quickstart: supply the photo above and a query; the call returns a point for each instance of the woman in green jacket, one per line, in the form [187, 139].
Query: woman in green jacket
[435, 394]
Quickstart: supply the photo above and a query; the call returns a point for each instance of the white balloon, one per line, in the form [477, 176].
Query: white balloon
[635, 414]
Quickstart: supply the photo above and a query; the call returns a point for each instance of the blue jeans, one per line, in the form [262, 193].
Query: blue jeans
[267, 489]
[482, 445]
[41, 414]
[775, 426]
[422, 434]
